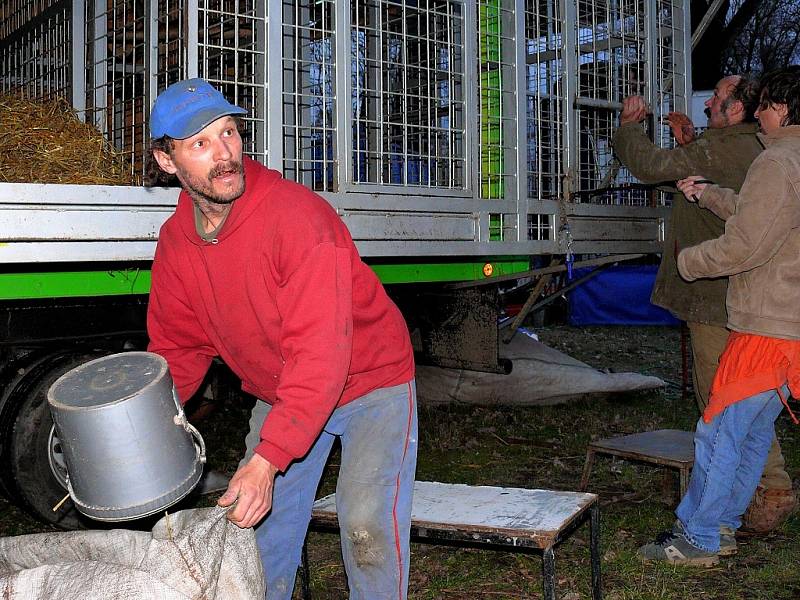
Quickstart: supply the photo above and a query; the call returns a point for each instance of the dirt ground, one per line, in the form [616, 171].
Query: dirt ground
[544, 447]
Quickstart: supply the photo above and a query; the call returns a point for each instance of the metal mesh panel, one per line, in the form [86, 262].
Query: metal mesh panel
[545, 123]
[408, 99]
[232, 57]
[671, 68]
[612, 64]
[36, 37]
[172, 39]
[309, 93]
[116, 84]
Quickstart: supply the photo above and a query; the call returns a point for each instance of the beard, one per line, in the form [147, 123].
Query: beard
[202, 188]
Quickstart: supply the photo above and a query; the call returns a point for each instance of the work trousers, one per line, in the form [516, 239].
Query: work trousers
[729, 456]
[378, 434]
[708, 342]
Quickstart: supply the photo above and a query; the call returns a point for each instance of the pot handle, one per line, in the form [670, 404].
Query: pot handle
[181, 420]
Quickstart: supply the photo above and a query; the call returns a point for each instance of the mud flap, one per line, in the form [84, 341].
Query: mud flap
[458, 329]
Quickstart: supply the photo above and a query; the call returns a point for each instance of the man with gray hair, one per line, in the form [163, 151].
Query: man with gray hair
[723, 154]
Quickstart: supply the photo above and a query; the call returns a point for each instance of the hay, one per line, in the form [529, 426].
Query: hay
[45, 142]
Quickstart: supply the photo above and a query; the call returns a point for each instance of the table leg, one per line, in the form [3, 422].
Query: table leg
[684, 481]
[587, 469]
[594, 544]
[549, 573]
[305, 574]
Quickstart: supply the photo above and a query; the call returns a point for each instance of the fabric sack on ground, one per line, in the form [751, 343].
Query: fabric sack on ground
[541, 375]
[195, 554]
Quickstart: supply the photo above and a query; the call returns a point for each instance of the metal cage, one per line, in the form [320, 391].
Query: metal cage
[434, 127]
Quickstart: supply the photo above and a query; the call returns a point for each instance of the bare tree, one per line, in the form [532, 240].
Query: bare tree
[770, 39]
[745, 36]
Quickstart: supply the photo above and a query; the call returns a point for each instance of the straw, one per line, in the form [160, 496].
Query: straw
[45, 142]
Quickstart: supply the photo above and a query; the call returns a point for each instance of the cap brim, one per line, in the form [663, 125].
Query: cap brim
[200, 120]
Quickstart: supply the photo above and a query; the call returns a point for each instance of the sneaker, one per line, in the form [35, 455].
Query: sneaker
[768, 510]
[727, 541]
[675, 549]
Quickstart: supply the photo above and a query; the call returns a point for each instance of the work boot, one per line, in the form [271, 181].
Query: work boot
[768, 509]
[674, 548]
[727, 541]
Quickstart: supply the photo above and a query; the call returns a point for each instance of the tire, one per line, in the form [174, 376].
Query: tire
[29, 478]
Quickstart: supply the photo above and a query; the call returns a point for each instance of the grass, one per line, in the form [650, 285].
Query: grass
[545, 447]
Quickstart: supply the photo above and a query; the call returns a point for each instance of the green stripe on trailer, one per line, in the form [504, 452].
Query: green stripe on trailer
[441, 272]
[64, 284]
[72, 284]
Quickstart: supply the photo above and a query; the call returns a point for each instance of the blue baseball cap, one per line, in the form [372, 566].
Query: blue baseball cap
[186, 107]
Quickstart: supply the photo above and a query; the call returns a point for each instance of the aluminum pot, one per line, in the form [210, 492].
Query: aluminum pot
[128, 448]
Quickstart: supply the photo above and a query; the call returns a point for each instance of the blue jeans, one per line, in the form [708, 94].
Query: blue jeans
[729, 456]
[374, 489]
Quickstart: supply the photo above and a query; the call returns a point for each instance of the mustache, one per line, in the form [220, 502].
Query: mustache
[233, 166]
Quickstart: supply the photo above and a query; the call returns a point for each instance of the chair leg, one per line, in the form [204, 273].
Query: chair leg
[587, 469]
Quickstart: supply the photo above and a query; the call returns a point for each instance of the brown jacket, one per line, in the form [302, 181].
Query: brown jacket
[721, 155]
[760, 249]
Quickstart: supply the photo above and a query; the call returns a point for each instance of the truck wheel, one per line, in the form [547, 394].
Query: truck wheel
[31, 470]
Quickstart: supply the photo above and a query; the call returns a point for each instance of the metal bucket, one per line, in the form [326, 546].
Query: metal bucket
[128, 448]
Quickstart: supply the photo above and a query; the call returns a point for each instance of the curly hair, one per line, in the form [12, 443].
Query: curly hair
[782, 86]
[746, 92]
[153, 174]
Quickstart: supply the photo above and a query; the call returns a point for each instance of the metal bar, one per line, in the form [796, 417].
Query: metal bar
[343, 106]
[526, 308]
[274, 76]
[570, 153]
[191, 32]
[549, 573]
[596, 103]
[651, 56]
[305, 572]
[100, 51]
[705, 22]
[570, 286]
[593, 262]
[151, 59]
[521, 125]
[78, 62]
[594, 546]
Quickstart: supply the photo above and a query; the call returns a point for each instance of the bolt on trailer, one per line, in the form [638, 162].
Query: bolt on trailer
[457, 139]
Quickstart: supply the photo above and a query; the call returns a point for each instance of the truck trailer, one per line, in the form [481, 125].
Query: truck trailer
[461, 141]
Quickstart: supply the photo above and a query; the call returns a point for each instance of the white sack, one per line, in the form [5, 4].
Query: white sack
[540, 375]
[195, 554]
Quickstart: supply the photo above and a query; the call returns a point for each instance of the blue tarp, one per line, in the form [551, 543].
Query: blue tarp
[619, 295]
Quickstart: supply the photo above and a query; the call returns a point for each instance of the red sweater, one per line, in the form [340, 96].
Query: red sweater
[283, 297]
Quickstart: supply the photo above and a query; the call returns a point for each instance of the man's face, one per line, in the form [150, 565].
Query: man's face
[719, 105]
[209, 164]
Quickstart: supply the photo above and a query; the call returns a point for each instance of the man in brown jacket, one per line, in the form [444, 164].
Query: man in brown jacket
[723, 153]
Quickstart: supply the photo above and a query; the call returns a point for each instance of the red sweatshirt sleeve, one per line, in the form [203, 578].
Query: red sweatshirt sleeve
[175, 332]
[315, 304]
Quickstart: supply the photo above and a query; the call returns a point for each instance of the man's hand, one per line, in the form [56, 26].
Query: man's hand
[691, 187]
[682, 127]
[251, 489]
[634, 110]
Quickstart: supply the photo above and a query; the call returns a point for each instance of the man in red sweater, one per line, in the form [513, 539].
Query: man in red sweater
[261, 272]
